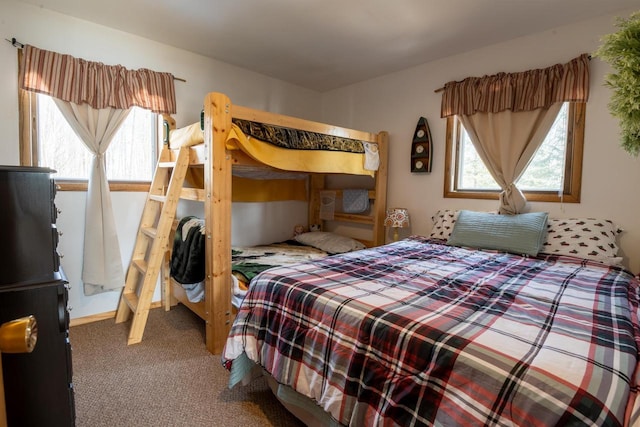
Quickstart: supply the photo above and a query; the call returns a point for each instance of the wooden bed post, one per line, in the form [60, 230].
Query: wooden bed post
[217, 210]
[380, 205]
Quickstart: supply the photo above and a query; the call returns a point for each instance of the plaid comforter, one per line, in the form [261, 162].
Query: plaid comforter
[418, 333]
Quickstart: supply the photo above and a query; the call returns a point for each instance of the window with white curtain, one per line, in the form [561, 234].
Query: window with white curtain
[131, 157]
[553, 174]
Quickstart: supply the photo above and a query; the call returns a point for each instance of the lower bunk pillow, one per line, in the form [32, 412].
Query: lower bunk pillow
[329, 242]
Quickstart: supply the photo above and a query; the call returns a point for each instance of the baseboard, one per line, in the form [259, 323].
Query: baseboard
[102, 316]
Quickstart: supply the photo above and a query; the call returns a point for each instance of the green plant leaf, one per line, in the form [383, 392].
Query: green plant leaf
[622, 51]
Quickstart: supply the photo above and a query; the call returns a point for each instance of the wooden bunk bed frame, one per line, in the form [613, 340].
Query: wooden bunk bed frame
[217, 163]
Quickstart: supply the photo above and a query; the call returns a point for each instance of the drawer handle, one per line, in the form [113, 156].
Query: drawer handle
[19, 336]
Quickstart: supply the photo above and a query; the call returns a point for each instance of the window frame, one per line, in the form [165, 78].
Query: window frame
[28, 135]
[572, 172]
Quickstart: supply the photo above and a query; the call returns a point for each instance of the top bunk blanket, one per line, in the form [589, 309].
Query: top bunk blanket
[421, 333]
[272, 145]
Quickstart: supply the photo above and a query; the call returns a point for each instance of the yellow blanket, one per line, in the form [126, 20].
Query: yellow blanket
[302, 160]
[319, 161]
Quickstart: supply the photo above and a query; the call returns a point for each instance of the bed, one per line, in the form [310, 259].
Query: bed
[424, 332]
[229, 148]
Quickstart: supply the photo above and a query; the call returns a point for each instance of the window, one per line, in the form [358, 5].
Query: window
[553, 175]
[130, 159]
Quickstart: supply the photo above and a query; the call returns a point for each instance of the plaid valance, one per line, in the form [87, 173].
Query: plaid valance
[94, 83]
[523, 91]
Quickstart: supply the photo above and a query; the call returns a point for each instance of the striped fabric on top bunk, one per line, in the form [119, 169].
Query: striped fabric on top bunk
[420, 333]
[293, 139]
[297, 139]
[314, 152]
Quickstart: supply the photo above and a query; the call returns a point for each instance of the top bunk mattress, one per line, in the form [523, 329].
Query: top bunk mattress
[273, 145]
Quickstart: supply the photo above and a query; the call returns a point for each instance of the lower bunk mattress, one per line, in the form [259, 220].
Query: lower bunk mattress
[421, 333]
[188, 265]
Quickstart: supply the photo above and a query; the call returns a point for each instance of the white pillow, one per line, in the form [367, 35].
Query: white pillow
[329, 242]
[587, 238]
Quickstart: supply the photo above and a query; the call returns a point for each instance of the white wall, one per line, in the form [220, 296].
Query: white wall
[395, 102]
[60, 33]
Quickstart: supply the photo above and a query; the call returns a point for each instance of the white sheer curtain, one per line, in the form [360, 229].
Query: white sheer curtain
[102, 269]
[95, 98]
[506, 143]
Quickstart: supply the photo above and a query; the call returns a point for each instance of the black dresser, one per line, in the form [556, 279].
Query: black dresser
[38, 385]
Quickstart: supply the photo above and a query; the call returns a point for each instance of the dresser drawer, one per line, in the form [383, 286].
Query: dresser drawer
[29, 237]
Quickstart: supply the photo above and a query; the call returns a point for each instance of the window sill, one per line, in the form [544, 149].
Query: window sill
[113, 186]
[531, 197]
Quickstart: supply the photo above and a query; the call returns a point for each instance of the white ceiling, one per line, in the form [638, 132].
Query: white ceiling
[326, 44]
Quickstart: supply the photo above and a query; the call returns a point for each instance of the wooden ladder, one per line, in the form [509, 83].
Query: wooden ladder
[152, 241]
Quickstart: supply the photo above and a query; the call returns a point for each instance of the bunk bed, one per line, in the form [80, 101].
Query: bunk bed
[226, 140]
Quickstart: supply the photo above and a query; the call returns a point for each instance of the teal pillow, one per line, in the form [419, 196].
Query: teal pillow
[522, 234]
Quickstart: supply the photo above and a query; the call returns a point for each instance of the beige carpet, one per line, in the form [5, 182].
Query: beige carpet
[169, 379]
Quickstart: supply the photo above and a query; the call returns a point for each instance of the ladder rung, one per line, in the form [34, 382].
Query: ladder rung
[196, 194]
[158, 197]
[141, 265]
[167, 165]
[149, 231]
[132, 300]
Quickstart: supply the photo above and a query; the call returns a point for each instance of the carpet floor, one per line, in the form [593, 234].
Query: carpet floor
[169, 379]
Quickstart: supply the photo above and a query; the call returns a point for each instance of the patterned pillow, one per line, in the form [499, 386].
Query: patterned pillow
[588, 238]
[443, 222]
